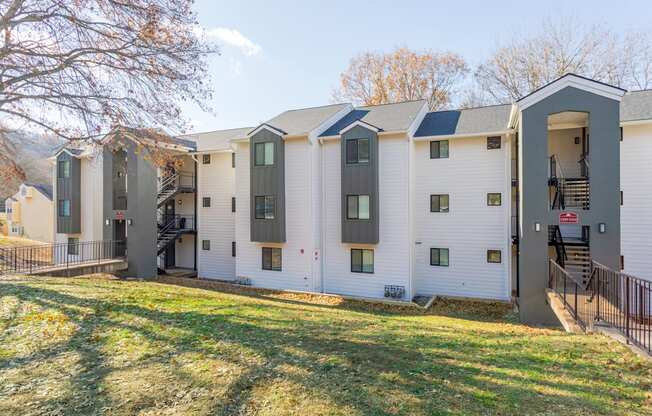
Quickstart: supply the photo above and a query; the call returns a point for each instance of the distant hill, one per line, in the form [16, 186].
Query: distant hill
[25, 152]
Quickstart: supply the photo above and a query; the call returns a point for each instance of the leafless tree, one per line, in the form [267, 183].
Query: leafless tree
[564, 46]
[401, 75]
[78, 68]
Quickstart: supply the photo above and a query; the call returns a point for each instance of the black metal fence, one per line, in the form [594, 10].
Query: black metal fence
[609, 298]
[35, 258]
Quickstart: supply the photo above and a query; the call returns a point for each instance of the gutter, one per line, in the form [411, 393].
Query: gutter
[464, 135]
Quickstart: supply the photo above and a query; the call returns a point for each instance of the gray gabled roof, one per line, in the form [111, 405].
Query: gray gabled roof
[216, 140]
[46, 190]
[386, 117]
[468, 121]
[303, 121]
[636, 105]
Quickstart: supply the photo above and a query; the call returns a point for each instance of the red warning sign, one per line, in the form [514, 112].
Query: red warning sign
[568, 218]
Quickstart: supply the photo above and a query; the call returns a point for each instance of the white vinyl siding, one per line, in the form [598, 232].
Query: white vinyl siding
[392, 253]
[635, 213]
[216, 223]
[470, 228]
[297, 251]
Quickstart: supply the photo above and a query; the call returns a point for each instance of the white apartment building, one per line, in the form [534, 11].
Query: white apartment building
[394, 201]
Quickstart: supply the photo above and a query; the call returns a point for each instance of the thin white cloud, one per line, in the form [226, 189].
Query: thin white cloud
[234, 38]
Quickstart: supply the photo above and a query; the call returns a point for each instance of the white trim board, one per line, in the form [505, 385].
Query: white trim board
[574, 81]
[361, 124]
[268, 128]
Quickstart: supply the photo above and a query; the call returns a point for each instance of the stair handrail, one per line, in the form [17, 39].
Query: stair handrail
[166, 181]
[559, 181]
[558, 167]
[584, 161]
[558, 239]
[167, 225]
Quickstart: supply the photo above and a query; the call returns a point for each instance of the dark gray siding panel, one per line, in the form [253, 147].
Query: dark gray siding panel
[361, 179]
[141, 208]
[268, 180]
[69, 189]
[604, 158]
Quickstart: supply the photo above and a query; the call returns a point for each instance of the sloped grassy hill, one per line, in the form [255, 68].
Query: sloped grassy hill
[99, 346]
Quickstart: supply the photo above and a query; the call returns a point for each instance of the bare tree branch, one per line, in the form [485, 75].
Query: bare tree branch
[374, 78]
[78, 68]
[562, 47]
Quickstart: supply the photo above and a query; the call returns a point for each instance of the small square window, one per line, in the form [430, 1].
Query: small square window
[357, 151]
[494, 256]
[272, 259]
[439, 149]
[206, 245]
[206, 202]
[206, 159]
[439, 257]
[493, 142]
[357, 207]
[265, 207]
[73, 246]
[232, 204]
[439, 203]
[264, 154]
[362, 261]
[494, 199]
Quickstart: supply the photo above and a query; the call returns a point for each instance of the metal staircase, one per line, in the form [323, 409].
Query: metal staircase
[573, 255]
[578, 263]
[171, 227]
[576, 193]
[569, 192]
[168, 188]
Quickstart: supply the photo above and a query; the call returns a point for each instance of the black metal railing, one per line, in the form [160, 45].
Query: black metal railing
[623, 302]
[35, 258]
[176, 222]
[184, 181]
[573, 294]
[608, 298]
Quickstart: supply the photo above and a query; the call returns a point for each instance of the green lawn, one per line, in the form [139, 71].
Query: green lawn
[100, 346]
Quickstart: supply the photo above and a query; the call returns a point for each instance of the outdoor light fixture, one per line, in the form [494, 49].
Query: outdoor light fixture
[107, 222]
[130, 222]
[179, 201]
[602, 227]
[537, 226]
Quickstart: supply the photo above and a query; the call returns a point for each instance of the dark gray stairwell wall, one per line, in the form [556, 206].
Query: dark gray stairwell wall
[69, 189]
[268, 181]
[604, 159]
[141, 209]
[361, 179]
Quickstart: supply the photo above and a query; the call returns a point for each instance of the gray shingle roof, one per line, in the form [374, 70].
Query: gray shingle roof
[386, 117]
[493, 118]
[46, 190]
[636, 105]
[216, 140]
[302, 121]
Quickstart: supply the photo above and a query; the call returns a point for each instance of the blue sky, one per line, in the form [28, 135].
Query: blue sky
[278, 55]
